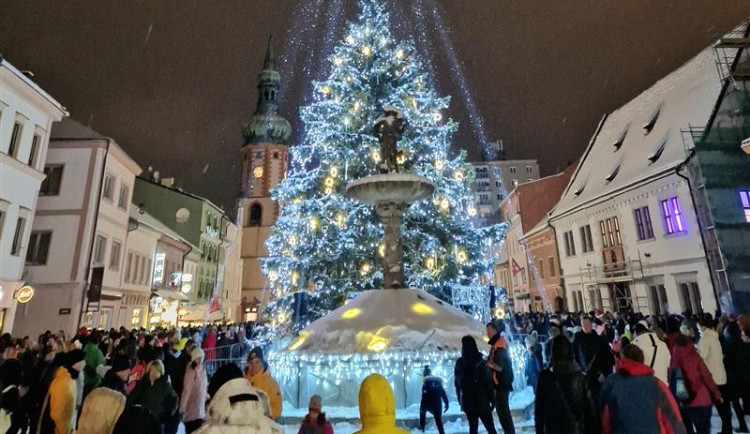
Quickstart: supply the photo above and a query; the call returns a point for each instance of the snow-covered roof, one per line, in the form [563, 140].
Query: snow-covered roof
[388, 321]
[643, 138]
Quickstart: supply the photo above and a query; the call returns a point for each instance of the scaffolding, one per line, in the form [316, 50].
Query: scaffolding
[617, 277]
[727, 50]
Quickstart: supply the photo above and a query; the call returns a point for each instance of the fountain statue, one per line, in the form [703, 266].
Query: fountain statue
[391, 193]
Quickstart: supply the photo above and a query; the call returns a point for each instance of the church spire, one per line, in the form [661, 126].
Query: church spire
[266, 126]
[270, 61]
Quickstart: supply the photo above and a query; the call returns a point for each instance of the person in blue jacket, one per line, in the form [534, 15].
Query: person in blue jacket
[433, 398]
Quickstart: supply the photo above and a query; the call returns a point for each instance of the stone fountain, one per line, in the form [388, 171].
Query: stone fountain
[391, 192]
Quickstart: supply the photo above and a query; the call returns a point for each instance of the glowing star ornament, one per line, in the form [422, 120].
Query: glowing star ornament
[458, 176]
[365, 268]
[334, 171]
[445, 204]
[366, 50]
[437, 117]
[314, 223]
[338, 61]
[472, 211]
[400, 54]
[350, 39]
[376, 156]
[341, 220]
[381, 250]
[461, 256]
[439, 164]
[325, 89]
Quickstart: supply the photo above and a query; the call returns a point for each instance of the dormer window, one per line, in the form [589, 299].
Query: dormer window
[650, 125]
[579, 190]
[614, 173]
[620, 141]
[657, 152]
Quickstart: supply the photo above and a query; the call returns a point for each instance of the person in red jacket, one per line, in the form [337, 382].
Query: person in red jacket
[636, 402]
[703, 392]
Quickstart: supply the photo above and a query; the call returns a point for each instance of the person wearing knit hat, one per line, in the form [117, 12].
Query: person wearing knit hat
[259, 375]
[315, 421]
[63, 391]
[117, 376]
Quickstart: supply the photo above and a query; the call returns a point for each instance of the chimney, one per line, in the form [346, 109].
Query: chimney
[167, 182]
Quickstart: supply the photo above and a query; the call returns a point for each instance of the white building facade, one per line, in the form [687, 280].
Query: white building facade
[626, 228]
[84, 213]
[26, 116]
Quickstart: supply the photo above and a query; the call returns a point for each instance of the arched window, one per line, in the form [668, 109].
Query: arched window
[256, 212]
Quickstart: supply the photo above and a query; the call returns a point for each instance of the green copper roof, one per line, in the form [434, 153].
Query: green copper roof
[266, 126]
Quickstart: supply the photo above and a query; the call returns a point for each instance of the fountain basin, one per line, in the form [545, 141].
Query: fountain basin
[390, 188]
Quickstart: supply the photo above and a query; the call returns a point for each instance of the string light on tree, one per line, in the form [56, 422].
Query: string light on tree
[369, 70]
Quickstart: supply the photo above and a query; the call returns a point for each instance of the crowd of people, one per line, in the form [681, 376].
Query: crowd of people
[592, 373]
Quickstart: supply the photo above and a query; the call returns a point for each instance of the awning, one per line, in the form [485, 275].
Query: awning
[174, 295]
[198, 313]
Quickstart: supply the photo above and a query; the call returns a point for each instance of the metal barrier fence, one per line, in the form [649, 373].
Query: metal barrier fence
[225, 355]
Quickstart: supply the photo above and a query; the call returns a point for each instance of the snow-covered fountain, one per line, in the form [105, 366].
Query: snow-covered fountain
[394, 331]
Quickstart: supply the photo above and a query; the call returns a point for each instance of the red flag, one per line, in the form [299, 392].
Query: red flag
[516, 268]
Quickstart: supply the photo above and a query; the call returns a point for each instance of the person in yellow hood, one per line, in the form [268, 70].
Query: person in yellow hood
[259, 376]
[377, 407]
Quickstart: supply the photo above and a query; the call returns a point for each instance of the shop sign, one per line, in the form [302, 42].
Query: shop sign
[24, 294]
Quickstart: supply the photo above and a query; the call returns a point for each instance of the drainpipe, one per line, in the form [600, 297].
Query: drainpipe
[679, 167]
[94, 228]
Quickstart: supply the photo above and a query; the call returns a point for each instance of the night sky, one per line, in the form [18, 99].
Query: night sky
[174, 82]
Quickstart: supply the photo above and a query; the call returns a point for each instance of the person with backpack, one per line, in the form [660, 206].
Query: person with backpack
[693, 386]
[655, 351]
[501, 368]
[474, 387]
[636, 402]
[433, 396]
[563, 403]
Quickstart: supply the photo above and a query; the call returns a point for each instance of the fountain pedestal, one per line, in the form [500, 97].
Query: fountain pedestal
[391, 194]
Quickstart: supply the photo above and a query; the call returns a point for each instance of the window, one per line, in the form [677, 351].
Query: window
[114, 256]
[142, 275]
[2, 222]
[36, 254]
[674, 220]
[128, 266]
[256, 213]
[529, 169]
[148, 271]
[122, 202]
[99, 248]
[643, 224]
[658, 298]
[541, 269]
[15, 138]
[512, 169]
[137, 268]
[657, 152]
[276, 155]
[551, 263]
[109, 187]
[34, 148]
[613, 174]
[514, 183]
[603, 231]
[618, 237]
[499, 196]
[620, 141]
[690, 297]
[570, 246]
[650, 125]
[51, 184]
[15, 248]
[586, 239]
[745, 201]
[498, 183]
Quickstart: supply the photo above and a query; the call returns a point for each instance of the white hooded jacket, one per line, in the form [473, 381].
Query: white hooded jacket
[237, 408]
[655, 354]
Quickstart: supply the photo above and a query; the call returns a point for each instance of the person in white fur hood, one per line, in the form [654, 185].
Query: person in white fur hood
[238, 408]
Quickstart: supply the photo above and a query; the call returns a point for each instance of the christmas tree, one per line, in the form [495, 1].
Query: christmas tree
[329, 245]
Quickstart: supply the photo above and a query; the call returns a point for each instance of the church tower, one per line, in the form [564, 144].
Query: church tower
[265, 159]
